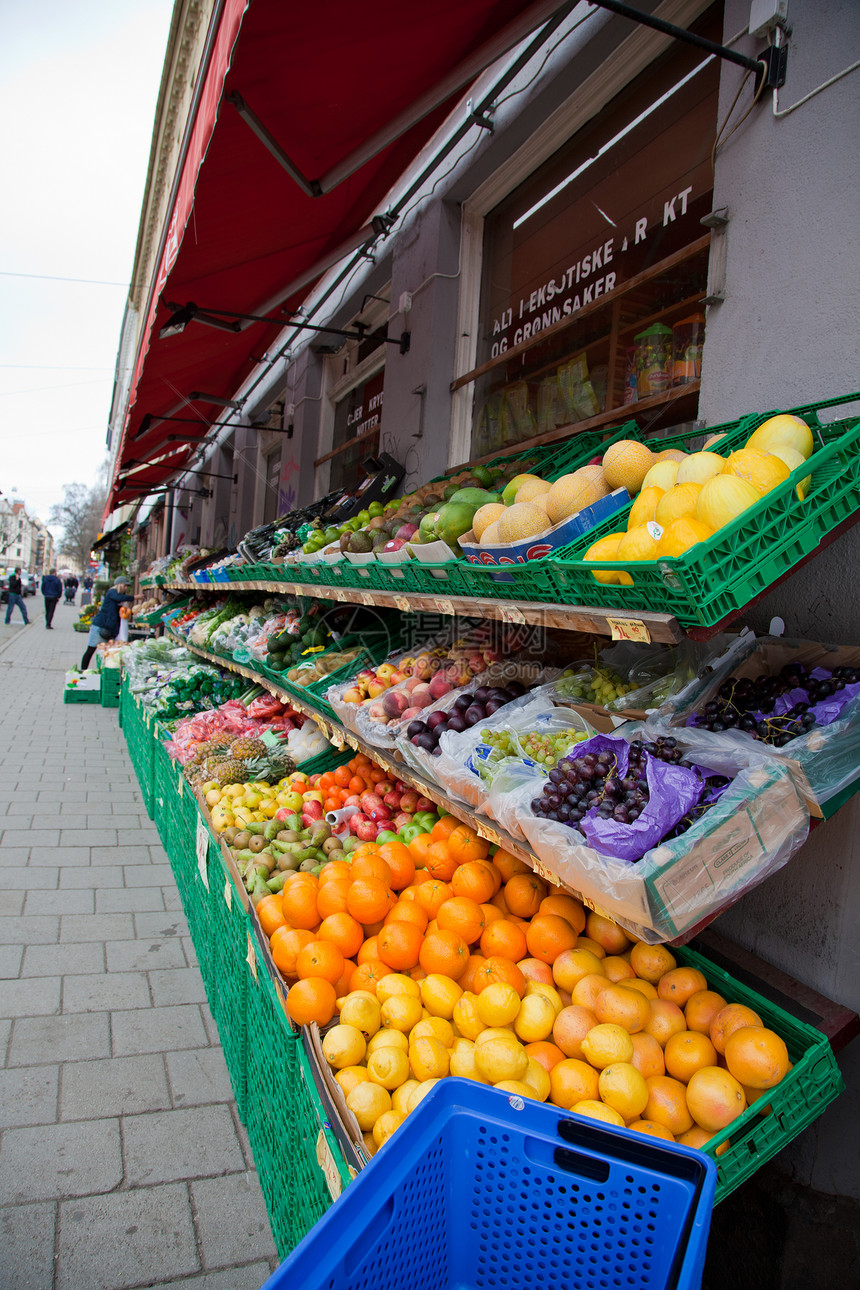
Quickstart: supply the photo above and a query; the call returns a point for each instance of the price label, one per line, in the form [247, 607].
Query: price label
[181, 784]
[446, 606]
[542, 871]
[367, 599]
[336, 737]
[491, 835]
[511, 614]
[325, 1160]
[402, 604]
[228, 893]
[251, 957]
[629, 629]
[202, 851]
[337, 593]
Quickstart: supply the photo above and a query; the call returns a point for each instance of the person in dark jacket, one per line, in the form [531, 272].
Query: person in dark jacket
[105, 625]
[16, 596]
[52, 589]
[71, 587]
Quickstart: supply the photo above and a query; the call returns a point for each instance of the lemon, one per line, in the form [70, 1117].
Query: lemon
[439, 994]
[418, 1094]
[401, 1012]
[387, 1123]
[605, 1044]
[537, 1078]
[349, 1076]
[396, 983]
[361, 1009]
[495, 1032]
[433, 1028]
[428, 1059]
[387, 1038]
[499, 1059]
[463, 1061]
[344, 1046]
[368, 1101]
[466, 1018]
[515, 1087]
[388, 1067]
[535, 1019]
[401, 1095]
[623, 1088]
[548, 992]
[498, 1004]
[598, 1111]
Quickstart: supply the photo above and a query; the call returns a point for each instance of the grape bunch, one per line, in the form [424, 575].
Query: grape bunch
[579, 785]
[545, 749]
[748, 705]
[598, 685]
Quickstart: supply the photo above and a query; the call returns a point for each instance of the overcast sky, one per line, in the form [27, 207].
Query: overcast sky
[78, 88]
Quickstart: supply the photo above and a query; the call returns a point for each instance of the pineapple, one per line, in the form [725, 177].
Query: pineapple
[280, 762]
[232, 771]
[247, 747]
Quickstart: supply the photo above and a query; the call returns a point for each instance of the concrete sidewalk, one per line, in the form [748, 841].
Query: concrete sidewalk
[123, 1162]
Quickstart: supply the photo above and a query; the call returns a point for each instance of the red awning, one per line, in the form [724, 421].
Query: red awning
[327, 82]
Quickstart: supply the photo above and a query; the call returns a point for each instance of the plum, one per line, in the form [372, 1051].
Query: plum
[477, 712]
[457, 722]
[436, 719]
[415, 728]
[426, 741]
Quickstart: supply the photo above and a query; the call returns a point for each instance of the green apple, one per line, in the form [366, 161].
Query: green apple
[410, 831]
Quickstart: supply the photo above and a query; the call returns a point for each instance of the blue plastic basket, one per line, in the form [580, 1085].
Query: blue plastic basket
[485, 1190]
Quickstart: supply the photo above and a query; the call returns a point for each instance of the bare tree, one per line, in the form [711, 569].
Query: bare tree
[80, 514]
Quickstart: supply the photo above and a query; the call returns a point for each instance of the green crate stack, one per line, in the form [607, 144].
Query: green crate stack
[228, 937]
[140, 741]
[71, 694]
[198, 901]
[111, 678]
[328, 760]
[176, 816]
[811, 1085]
[282, 1119]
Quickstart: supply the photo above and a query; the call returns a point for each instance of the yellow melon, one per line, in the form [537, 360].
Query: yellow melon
[762, 469]
[671, 454]
[681, 535]
[785, 429]
[484, 516]
[723, 499]
[644, 508]
[793, 459]
[626, 463]
[662, 475]
[637, 544]
[699, 467]
[712, 439]
[520, 521]
[606, 548]
[491, 535]
[573, 493]
[678, 501]
[531, 489]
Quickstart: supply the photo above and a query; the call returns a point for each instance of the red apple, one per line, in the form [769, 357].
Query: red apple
[370, 801]
[356, 821]
[401, 819]
[424, 804]
[409, 801]
[366, 830]
[312, 808]
[391, 798]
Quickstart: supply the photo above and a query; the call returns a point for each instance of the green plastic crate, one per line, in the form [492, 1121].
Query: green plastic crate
[809, 1087]
[228, 937]
[71, 694]
[324, 761]
[743, 559]
[284, 1124]
[111, 678]
[137, 728]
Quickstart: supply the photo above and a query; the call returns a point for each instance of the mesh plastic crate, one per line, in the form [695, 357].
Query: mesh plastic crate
[324, 761]
[293, 1151]
[111, 677]
[137, 728]
[743, 559]
[72, 694]
[228, 936]
[809, 1087]
[486, 1190]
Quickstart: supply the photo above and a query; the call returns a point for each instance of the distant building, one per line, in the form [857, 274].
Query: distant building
[25, 542]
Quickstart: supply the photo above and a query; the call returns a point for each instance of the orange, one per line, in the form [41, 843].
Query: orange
[647, 1055]
[270, 914]
[666, 1020]
[367, 900]
[300, 905]
[735, 1016]
[475, 880]
[714, 1098]
[418, 848]
[366, 851]
[650, 1127]
[548, 936]
[650, 962]
[399, 945]
[572, 965]
[667, 1104]
[688, 1052]
[432, 894]
[372, 866]
[286, 942]
[757, 1057]
[341, 776]
[332, 897]
[368, 975]
[344, 932]
[367, 951]
[445, 825]
[566, 907]
[680, 983]
[469, 979]
[701, 1008]
[341, 985]
[623, 1007]
[546, 1053]
[408, 911]
[320, 959]
[444, 952]
[503, 938]
[570, 1028]
[572, 1081]
[465, 845]
[462, 915]
[334, 869]
[606, 933]
[439, 862]
[496, 969]
[622, 1087]
[618, 969]
[400, 863]
[312, 999]
[500, 903]
[508, 865]
[523, 895]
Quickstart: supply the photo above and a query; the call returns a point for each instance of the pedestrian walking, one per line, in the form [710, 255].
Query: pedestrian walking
[71, 587]
[87, 593]
[16, 596]
[52, 589]
[105, 626]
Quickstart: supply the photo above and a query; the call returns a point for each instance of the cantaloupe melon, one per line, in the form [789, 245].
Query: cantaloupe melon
[542, 500]
[572, 493]
[662, 475]
[491, 535]
[698, 467]
[785, 429]
[511, 489]
[671, 454]
[711, 440]
[723, 498]
[681, 535]
[626, 463]
[522, 520]
[762, 469]
[678, 501]
[485, 516]
[606, 548]
[531, 489]
[644, 508]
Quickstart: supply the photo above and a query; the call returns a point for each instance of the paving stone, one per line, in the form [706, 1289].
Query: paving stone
[30, 837]
[249, 1277]
[115, 900]
[36, 931]
[113, 1086]
[27, 1247]
[28, 1095]
[89, 877]
[12, 903]
[84, 837]
[106, 992]
[12, 860]
[63, 822]
[183, 985]
[54, 856]
[30, 996]
[45, 960]
[122, 818]
[157, 1030]
[157, 1239]
[231, 1219]
[168, 924]
[147, 875]
[54, 1160]
[60, 902]
[145, 955]
[96, 927]
[120, 855]
[72, 1037]
[11, 957]
[193, 1142]
[158, 854]
[5, 1033]
[198, 1076]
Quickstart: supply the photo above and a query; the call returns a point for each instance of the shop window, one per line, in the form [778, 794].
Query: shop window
[355, 382]
[595, 268]
[273, 485]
